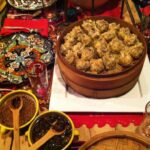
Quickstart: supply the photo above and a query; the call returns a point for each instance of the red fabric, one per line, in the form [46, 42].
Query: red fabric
[102, 119]
[111, 8]
[41, 24]
[146, 10]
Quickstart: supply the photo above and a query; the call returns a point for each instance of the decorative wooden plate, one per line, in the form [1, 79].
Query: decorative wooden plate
[117, 140]
[18, 51]
[30, 4]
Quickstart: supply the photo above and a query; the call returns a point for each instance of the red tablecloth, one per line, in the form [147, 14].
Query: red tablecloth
[102, 119]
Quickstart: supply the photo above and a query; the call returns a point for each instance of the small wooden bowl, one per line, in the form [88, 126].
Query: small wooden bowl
[114, 140]
[101, 86]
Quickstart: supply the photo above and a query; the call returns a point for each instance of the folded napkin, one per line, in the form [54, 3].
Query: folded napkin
[41, 25]
[146, 10]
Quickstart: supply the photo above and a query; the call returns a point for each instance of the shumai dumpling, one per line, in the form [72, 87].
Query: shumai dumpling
[130, 39]
[109, 35]
[114, 26]
[124, 31]
[125, 59]
[73, 36]
[70, 57]
[117, 69]
[84, 38]
[96, 66]
[73, 33]
[102, 25]
[116, 45]
[136, 50]
[109, 61]
[70, 39]
[82, 64]
[87, 53]
[65, 47]
[91, 28]
[101, 47]
[77, 49]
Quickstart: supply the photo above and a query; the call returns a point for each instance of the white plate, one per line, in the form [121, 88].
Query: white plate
[67, 100]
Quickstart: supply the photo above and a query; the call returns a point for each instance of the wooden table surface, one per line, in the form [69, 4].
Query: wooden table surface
[6, 140]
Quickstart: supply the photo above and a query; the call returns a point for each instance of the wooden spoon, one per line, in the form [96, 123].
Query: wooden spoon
[15, 106]
[50, 133]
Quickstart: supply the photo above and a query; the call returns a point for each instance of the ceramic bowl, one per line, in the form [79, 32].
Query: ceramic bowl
[28, 112]
[44, 122]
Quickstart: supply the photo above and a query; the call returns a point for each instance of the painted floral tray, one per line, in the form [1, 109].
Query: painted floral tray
[30, 4]
[18, 50]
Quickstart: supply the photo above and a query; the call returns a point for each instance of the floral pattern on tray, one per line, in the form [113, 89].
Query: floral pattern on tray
[18, 51]
[30, 4]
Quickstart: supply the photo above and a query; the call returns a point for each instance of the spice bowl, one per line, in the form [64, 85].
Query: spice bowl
[56, 120]
[28, 111]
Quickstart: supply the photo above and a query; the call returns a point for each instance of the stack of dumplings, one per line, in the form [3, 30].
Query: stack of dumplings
[100, 47]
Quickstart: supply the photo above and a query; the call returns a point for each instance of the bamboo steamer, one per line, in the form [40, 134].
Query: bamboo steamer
[117, 140]
[101, 86]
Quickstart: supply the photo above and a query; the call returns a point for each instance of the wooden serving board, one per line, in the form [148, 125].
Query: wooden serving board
[117, 140]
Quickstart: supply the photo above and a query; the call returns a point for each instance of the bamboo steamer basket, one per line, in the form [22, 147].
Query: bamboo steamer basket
[101, 86]
[117, 140]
